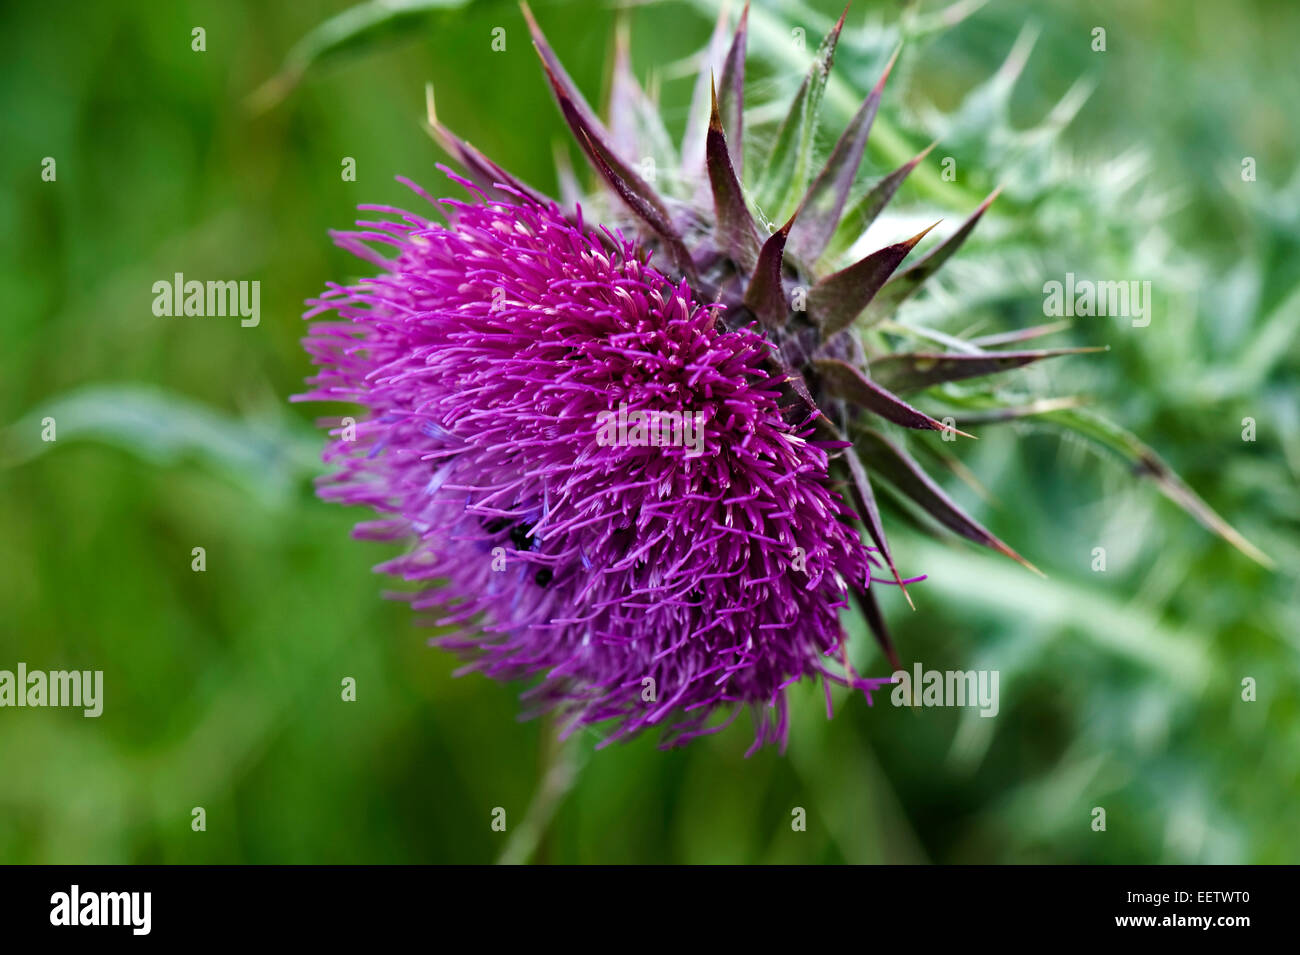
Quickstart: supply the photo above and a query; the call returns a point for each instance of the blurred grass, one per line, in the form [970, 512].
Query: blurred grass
[1119, 689]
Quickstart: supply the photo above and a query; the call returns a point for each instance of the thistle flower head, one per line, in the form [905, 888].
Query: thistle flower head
[507, 357]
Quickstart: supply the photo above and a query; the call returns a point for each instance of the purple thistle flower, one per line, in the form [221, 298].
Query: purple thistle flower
[637, 582]
[488, 355]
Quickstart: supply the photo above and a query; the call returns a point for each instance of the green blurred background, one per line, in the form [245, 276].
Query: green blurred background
[1119, 689]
